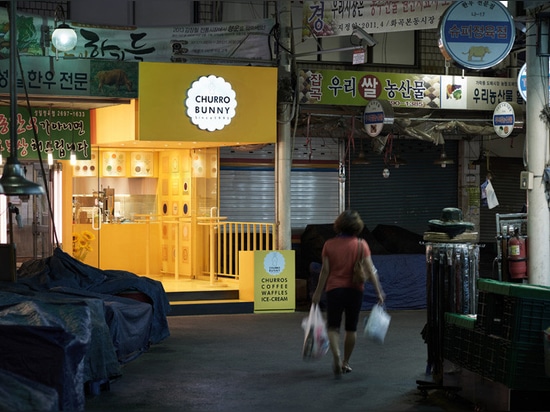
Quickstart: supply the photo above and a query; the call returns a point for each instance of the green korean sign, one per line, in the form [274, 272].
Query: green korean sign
[59, 130]
[353, 88]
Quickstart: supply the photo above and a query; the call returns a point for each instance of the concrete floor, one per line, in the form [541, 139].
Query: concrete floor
[252, 362]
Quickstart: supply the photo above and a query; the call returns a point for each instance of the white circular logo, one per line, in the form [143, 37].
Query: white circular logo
[504, 119]
[274, 263]
[211, 103]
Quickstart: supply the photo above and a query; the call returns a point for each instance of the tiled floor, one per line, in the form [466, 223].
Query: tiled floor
[184, 284]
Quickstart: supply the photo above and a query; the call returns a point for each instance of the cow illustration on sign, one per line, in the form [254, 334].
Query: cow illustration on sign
[114, 77]
[477, 51]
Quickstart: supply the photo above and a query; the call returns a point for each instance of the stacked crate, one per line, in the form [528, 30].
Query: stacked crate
[504, 343]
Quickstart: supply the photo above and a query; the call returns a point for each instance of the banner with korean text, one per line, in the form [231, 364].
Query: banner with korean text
[354, 88]
[54, 129]
[185, 43]
[336, 18]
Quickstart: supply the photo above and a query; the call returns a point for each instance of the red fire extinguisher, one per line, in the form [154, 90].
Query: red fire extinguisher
[517, 257]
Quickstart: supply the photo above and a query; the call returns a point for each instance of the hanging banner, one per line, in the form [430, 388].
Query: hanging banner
[335, 18]
[56, 129]
[188, 43]
[354, 88]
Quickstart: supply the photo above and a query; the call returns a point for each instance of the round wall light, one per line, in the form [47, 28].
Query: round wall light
[64, 38]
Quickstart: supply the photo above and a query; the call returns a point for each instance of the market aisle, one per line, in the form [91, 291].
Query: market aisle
[253, 362]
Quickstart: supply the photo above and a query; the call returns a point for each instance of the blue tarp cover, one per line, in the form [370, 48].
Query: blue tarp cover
[64, 312]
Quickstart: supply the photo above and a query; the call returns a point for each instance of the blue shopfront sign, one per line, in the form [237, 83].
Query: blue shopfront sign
[476, 34]
[522, 81]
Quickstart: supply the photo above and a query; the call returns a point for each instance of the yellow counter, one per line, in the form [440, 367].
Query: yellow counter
[134, 247]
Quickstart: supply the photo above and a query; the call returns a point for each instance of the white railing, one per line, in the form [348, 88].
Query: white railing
[232, 238]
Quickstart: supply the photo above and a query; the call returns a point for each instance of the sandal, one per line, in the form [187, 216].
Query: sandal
[346, 368]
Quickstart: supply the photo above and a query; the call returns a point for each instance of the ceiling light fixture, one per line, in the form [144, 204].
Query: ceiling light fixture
[63, 36]
[361, 159]
[443, 160]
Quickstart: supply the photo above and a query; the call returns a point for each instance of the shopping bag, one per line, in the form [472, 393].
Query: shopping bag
[377, 324]
[360, 266]
[316, 337]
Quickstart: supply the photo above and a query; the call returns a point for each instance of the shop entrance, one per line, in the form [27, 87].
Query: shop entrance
[28, 222]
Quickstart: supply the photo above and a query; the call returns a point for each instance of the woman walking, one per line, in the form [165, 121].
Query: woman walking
[344, 296]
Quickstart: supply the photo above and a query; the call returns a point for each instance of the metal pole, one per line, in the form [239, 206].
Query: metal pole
[13, 78]
[283, 152]
[538, 221]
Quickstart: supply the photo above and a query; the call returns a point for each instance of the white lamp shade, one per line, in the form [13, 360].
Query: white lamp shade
[64, 38]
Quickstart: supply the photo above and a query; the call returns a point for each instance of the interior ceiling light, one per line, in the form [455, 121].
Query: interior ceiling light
[397, 161]
[443, 160]
[361, 159]
[481, 159]
[13, 181]
[63, 37]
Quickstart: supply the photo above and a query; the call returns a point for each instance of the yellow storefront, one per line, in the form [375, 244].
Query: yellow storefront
[148, 194]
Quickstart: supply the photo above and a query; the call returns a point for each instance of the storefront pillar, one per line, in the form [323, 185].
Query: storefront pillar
[538, 222]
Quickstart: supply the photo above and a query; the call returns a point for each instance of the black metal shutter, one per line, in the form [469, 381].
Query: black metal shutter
[412, 195]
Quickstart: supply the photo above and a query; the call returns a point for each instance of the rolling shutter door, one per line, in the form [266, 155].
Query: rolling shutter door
[247, 183]
[412, 195]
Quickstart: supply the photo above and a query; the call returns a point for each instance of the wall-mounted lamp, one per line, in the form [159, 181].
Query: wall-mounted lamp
[364, 36]
[63, 36]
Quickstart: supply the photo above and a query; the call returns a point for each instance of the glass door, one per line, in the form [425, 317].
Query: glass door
[88, 202]
[28, 219]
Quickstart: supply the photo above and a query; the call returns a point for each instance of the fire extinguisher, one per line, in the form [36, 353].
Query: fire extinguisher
[517, 257]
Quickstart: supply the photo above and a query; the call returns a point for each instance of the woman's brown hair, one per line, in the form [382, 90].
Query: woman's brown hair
[349, 223]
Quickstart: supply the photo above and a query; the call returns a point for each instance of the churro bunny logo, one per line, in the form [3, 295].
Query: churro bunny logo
[274, 263]
[211, 103]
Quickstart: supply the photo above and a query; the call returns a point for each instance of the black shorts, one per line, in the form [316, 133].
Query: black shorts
[340, 301]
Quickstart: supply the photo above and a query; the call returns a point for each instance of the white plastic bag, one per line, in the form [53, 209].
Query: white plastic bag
[377, 324]
[316, 336]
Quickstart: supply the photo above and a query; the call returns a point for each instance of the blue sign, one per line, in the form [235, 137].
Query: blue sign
[522, 81]
[477, 34]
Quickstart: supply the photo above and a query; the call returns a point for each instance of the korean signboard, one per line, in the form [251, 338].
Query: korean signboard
[354, 88]
[74, 77]
[477, 34]
[54, 129]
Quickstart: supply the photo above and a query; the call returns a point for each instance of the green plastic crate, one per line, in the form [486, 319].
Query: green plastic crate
[493, 286]
[519, 290]
[519, 366]
[463, 321]
[490, 314]
[525, 291]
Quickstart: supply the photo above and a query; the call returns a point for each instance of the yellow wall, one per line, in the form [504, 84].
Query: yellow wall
[115, 123]
[163, 90]
[133, 247]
